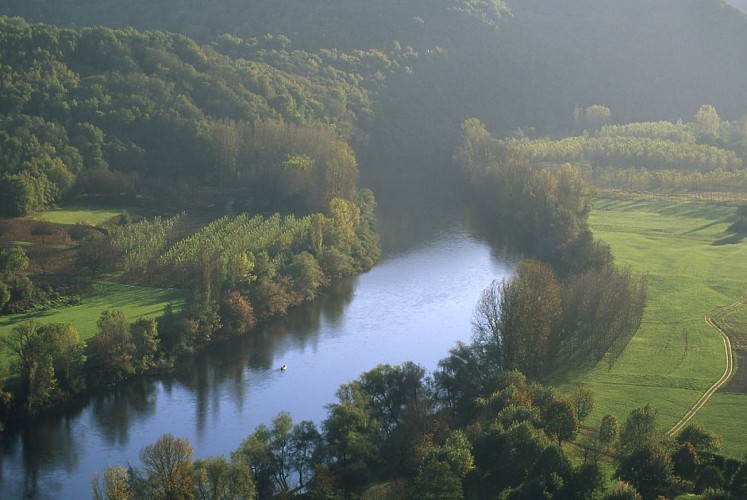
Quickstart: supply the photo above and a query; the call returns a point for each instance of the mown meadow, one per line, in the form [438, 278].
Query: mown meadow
[134, 301]
[694, 266]
[78, 214]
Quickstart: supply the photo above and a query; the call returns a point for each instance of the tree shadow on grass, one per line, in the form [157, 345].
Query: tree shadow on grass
[730, 240]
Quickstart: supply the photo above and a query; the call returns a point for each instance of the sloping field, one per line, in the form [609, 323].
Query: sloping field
[726, 409]
[694, 266]
[135, 301]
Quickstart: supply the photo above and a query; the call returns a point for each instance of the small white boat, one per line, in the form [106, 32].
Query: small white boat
[283, 368]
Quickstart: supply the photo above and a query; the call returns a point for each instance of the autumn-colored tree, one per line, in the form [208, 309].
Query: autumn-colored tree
[528, 308]
[114, 484]
[112, 349]
[167, 468]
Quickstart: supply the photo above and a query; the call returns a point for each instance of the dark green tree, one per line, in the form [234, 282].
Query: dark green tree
[640, 430]
[436, 480]
[709, 477]
[146, 344]
[609, 430]
[702, 439]
[648, 468]
[560, 420]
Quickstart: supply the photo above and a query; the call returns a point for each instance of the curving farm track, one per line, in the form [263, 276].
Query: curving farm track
[728, 371]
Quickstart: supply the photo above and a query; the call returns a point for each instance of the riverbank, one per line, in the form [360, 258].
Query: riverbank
[415, 304]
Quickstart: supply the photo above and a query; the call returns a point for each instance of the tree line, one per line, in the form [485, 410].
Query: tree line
[547, 207]
[703, 155]
[466, 431]
[630, 151]
[570, 307]
[238, 270]
[539, 324]
[670, 181]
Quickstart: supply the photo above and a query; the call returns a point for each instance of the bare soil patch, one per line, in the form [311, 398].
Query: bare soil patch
[51, 248]
[738, 383]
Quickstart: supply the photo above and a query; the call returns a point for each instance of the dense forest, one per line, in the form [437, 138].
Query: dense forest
[126, 113]
[511, 64]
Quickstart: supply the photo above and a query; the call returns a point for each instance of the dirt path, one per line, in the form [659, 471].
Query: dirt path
[719, 383]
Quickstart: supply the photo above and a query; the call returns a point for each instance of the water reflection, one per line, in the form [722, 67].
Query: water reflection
[413, 306]
[34, 448]
[115, 411]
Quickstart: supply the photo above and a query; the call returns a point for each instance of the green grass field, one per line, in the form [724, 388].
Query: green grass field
[135, 301]
[694, 266]
[74, 214]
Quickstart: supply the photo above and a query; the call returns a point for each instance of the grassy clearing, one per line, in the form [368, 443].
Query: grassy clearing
[693, 266]
[78, 214]
[135, 301]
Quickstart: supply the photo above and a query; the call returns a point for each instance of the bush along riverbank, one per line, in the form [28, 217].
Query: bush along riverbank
[237, 270]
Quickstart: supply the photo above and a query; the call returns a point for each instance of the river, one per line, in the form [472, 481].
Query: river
[414, 305]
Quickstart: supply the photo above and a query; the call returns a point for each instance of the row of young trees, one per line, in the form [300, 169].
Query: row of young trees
[670, 181]
[275, 261]
[239, 270]
[537, 323]
[396, 432]
[703, 155]
[706, 127]
[627, 151]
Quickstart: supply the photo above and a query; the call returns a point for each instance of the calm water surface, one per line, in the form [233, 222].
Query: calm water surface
[414, 305]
